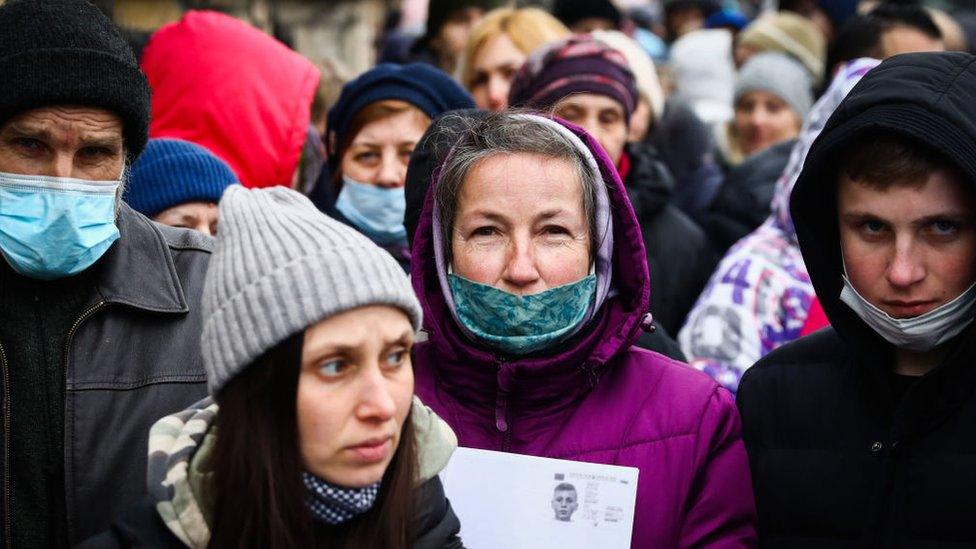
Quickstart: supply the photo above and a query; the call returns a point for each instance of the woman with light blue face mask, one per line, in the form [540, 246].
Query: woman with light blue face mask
[529, 262]
[372, 129]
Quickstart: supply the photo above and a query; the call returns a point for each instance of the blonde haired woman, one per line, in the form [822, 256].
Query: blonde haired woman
[498, 46]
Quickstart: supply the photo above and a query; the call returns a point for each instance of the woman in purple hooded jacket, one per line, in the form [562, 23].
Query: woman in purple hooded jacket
[530, 266]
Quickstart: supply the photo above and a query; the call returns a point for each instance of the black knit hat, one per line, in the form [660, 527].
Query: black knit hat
[66, 52]
[570, 12]
[439, 12]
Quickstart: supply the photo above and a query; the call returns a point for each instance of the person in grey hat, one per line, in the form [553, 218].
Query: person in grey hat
[772, 95]
[99, 307]
[312, 437]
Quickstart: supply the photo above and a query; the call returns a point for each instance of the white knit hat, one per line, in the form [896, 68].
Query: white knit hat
[645, 76]
[704, 73]
[279, 267]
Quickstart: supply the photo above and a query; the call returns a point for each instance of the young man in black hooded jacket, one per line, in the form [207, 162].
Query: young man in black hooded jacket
[863, 434]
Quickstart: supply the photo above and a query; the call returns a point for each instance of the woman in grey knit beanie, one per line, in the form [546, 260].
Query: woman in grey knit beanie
[773, 94]
[315, 438]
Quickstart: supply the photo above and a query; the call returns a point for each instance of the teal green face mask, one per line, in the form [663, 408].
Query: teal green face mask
[520, 325]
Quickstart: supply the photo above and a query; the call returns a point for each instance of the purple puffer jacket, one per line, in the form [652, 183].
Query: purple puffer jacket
[597, 399]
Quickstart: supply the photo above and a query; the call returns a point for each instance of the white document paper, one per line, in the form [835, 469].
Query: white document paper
[511, 501]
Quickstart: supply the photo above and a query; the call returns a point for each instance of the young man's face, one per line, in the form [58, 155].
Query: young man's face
[908, 248]
[564, 504]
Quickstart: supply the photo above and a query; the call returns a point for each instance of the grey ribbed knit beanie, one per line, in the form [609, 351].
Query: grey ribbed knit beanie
[280, 266]
[779, 74]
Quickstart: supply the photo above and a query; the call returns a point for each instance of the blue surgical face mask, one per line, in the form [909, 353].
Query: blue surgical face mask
[54, 227]
[375, 211]
[520, 325]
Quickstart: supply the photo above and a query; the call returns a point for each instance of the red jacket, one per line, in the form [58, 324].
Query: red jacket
[224, 84]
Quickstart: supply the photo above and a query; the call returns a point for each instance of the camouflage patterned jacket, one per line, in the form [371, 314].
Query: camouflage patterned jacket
[179, 509]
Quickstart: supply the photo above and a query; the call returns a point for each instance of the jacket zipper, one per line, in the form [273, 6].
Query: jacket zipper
[67, 357]
[502, 415]
[6, 449]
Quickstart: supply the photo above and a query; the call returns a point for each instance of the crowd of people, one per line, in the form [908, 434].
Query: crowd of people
[245, 301]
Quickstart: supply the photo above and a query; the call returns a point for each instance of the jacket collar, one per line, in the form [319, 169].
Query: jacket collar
[138, 270]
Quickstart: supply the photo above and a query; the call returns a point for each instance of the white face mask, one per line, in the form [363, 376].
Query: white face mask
[920, 333]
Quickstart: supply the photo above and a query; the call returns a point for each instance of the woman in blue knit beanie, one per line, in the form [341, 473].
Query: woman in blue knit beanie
[178, 183]
[372, 129]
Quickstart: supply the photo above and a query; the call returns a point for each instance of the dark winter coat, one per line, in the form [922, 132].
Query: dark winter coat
[686, 145]
[133, 356]
[837, 459]
[743, 202]
[679, 257]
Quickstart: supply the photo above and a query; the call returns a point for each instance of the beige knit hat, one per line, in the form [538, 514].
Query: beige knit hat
[645, 75]
[280, 266]
[791, 34]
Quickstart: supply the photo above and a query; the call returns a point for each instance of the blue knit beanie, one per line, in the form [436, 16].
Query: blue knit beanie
[171, 172]
[425, 87]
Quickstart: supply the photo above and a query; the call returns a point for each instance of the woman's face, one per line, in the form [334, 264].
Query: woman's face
[354, 393]
[380, 152]
[762, 119]
[520, 225]
[492, 68]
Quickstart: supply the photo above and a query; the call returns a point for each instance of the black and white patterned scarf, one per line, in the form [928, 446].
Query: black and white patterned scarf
[333, 504]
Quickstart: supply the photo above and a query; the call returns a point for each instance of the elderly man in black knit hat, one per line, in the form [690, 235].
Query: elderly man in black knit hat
[99, 307]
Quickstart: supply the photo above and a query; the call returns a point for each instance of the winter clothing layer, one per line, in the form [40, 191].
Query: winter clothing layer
[869, 469]
[130, 357]
[686, 146]
[179, 509]
[429, 89]
[778, 74]
[816, 319]
[742, 204]
[253, 115]
[679, 256]
[704, 73]
[172, 172]
[35, 315]
[280, 266]
[727, 18]
[595, 398]
[66, 52]
[791, 34]
[758, 297]
[427, 156]
[578, 64]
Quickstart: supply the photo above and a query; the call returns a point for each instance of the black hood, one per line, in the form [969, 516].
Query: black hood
[927, 97]
[649, 183]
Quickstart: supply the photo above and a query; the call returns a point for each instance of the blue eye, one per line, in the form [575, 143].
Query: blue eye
[332, 368]
[873, 226]
[945, 228]
[396, 358]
